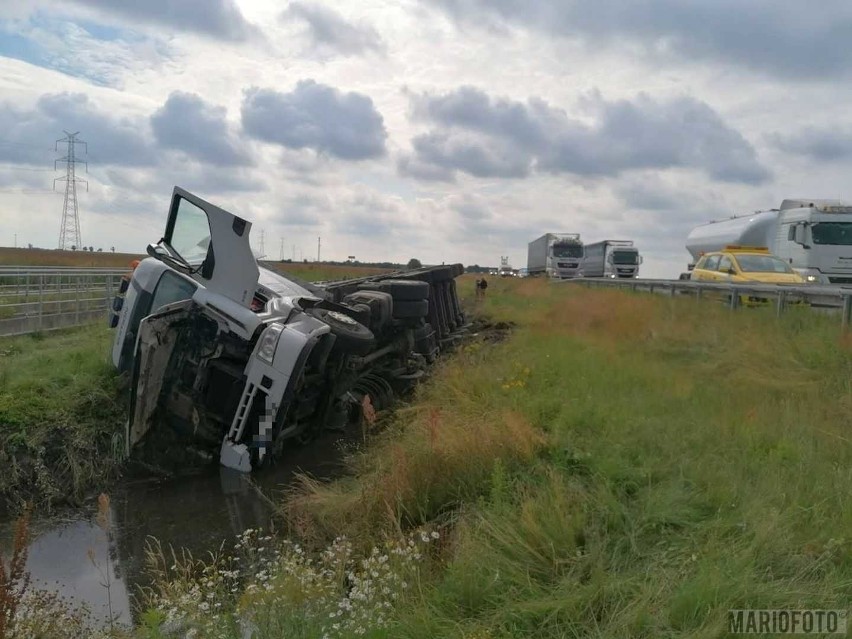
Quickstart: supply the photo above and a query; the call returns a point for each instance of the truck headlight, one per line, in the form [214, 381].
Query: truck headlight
[269, 342]
[812, 278]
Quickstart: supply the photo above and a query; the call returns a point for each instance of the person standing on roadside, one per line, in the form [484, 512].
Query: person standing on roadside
[482, 286]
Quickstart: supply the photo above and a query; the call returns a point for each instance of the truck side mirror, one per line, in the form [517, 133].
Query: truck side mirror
[155, 250]
[641, 259]
[799, 237]
[690, 266]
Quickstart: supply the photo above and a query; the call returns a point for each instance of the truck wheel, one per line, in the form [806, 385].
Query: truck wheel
[352, 337]
[400, 290]
[411, 309]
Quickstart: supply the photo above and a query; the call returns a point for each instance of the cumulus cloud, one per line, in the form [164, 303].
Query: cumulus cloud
[817, 143]
[112, 140]
[221, 19]
[316, 116]
[782, 39]
[496, 137]
[477, 155]
[189, 124]
[422, 170]
[330, 33]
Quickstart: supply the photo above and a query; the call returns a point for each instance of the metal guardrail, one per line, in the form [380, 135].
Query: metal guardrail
[58, 269]
[736, 295]
[36, 299]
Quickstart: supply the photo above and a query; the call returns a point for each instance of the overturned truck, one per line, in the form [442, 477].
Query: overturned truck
[234, 356]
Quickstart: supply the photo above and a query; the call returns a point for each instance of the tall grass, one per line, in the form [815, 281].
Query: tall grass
[626, 465]
[61, 415]
[623, 465]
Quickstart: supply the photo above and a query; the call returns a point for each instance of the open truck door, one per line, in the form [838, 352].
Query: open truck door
[210, 245]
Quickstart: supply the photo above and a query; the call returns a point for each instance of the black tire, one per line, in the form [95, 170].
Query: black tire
[410, 309]
[400, 290]
[352, 336]
[360, 313]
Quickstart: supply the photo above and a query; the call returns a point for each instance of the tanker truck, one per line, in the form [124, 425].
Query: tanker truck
[612, 258]
[813, 236]
[556, 255]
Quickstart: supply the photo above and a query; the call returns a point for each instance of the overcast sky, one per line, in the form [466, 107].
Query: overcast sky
[447, 130]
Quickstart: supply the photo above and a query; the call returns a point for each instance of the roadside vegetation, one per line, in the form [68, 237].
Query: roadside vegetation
[61, 416]
[54, 257]
[310, 271]
[623, 465]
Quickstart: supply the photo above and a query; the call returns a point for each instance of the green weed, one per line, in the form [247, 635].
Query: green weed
[60, 414]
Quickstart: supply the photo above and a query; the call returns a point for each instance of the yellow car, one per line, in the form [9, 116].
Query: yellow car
[745, 265]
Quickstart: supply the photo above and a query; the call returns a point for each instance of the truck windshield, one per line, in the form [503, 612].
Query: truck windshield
[625, 257]
[836, 233]
[190, 234]
[762, 264]
[567, 251]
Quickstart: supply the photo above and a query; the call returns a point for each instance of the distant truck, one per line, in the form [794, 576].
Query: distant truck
[505, 269]
[556, 255]
[612, 258]
[813, 236]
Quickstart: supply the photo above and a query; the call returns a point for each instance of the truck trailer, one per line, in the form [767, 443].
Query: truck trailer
[813, 236]
[612, 258]
[556, 255]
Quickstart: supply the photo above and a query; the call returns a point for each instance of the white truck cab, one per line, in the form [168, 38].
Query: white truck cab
[557, 255]
[614, 259]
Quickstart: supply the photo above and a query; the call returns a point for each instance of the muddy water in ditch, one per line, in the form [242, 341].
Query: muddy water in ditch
[197, 512]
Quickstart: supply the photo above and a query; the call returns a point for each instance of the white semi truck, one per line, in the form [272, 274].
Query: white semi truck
[556, 255]
[612, 258]
[229, 356]
[813, 236]
[505, 269]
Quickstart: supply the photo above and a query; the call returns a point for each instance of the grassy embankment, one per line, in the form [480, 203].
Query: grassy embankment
[624, 465]
[59, 413]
